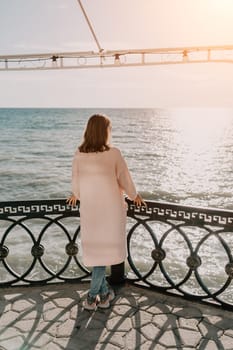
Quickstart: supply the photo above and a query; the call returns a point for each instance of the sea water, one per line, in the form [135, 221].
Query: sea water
[182, 156]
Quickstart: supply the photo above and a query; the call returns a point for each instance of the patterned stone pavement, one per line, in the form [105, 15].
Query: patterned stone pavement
[52, 318]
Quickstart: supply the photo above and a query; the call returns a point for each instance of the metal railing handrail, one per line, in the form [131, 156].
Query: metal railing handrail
[182, 247]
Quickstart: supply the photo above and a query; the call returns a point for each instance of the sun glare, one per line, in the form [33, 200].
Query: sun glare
[199, 132]
[199, 145]
[221, 3]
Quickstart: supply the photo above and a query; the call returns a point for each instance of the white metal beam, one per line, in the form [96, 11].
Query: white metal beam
[116, 58]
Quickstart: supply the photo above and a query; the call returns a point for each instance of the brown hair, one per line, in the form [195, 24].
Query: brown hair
[96, 134]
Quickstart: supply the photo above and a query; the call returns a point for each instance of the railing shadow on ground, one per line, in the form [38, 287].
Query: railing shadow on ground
[52, 317]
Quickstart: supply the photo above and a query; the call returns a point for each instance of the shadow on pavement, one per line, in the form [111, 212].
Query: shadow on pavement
[52, 318]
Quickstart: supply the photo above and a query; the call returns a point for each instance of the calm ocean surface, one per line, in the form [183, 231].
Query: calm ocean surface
[182, 156]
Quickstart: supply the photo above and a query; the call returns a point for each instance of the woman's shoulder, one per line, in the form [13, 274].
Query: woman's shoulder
[77, 153]
[113, 151]
[116, 151]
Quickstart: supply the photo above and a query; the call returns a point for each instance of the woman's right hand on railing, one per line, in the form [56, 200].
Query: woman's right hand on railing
[72, 200]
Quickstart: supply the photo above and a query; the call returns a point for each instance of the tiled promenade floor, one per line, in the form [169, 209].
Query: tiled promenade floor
[52, 318]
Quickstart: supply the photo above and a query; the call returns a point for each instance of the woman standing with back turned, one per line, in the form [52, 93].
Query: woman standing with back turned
[100, 176]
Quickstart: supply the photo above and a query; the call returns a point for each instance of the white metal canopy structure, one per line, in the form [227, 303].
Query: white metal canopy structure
[115, 58]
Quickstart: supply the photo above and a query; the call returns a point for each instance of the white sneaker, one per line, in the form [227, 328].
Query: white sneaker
[106, 299]
[90, 303]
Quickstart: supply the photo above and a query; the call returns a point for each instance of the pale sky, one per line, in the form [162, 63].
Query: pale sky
[40, 26]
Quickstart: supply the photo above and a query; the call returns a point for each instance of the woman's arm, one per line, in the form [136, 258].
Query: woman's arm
[125, 181]
[72, 200]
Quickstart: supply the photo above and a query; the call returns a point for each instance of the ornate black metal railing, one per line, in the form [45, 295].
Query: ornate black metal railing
[172, 248]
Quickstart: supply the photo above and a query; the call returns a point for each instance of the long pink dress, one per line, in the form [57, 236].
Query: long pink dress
[99, 181]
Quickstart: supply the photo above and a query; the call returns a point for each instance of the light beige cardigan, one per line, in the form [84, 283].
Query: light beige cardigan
[99, 181]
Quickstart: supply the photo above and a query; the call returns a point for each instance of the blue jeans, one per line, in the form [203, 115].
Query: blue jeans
[98, 282]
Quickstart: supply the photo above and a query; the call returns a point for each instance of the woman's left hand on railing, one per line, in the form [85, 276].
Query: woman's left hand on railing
[138, 201]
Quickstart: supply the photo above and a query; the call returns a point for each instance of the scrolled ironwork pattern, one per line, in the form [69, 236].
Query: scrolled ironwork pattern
[193, 261]
[229, 269]
[172, 248]
[158, 254]
[72, 249]
[189, 251]
[36, 208]
[39, 230]
[4, 251]
[37, 250]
